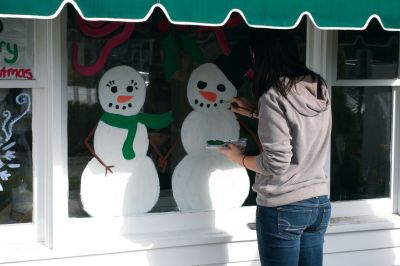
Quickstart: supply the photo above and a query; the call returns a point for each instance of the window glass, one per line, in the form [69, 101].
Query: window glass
[16, 191]
[361, 142]
[372, 53]
[165, 56]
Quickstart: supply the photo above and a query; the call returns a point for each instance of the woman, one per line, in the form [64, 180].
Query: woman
[293, 208]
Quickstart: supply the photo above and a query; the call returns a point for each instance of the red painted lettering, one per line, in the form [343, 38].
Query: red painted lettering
[12, 72]
[28, 74]
[3, 72]
[20, 73]
[16, 73]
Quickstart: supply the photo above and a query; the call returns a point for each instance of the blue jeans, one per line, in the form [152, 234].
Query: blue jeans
[293, 234]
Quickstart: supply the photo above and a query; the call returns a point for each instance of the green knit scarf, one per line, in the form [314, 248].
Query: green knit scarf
[155, 121]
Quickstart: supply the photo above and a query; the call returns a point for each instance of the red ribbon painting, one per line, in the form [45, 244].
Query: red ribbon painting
[99, 29]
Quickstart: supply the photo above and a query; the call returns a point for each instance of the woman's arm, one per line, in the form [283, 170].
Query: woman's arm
[275, 137]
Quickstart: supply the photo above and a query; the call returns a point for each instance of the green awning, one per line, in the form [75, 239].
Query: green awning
[326, 14]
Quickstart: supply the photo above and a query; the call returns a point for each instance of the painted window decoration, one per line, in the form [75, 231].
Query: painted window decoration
[15, 156]
[369, 54]
[16, 49]
[205, 179]
[120, 166]
[175, 82]
[361, 142]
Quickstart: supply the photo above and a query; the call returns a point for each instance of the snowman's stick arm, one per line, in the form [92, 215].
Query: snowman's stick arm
[90, 148]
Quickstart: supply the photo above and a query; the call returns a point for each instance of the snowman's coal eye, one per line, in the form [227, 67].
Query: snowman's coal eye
[201, 85]
[129, 88]
[221, 87]
[114, 89]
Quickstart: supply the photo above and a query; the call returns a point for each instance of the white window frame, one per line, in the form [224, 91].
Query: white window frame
[325, 43]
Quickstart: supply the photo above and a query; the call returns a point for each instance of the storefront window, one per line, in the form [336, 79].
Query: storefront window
[161, 58]
[369, 54]
[16, 190]
[361, 142]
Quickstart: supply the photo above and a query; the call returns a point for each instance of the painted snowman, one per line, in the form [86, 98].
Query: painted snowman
[205, 179]
[121, 180]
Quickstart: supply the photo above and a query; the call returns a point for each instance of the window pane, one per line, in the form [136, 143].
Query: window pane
[369, 54]
[15, 156]
[361, 142]
[165, 62]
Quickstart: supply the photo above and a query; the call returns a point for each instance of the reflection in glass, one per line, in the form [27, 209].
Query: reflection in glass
[361, 142]
[369, 54]
[15, 156]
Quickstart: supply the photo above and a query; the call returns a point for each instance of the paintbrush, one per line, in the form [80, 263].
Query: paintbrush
[252, 114]
[235, 105]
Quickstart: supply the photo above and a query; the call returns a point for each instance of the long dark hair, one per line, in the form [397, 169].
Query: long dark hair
[276, 57]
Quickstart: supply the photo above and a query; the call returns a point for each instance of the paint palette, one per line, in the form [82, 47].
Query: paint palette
[216, 144]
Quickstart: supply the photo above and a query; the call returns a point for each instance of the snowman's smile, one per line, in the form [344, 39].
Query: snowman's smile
[124, 98]
[201, 104]
[208, 95]
[117, 106]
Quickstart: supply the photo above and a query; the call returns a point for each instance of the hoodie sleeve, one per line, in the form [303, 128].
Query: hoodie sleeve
[274, 134]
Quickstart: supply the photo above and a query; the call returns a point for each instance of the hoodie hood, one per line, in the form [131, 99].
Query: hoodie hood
[307, 100]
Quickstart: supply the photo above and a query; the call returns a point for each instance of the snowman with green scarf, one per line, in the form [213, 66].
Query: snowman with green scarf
[121, 179]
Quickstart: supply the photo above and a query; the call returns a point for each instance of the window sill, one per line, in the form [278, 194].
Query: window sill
[108, 244]
[363, 223]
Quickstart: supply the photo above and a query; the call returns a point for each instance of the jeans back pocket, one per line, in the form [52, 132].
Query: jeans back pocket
[292, 221]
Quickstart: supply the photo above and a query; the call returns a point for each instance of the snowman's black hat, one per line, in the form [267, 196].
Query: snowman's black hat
[236, 64]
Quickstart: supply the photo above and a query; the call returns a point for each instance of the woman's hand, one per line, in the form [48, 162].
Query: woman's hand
[233, 153]
[241, 106]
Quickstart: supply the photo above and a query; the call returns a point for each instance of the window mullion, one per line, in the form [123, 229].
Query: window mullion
[38, 130]
[395, 169]
[56, 210]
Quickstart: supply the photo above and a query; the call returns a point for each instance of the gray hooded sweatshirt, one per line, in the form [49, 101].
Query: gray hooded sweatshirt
[295, 136]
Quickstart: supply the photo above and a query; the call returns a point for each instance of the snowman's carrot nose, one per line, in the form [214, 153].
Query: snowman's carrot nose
[123, 98]
[210, 96]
